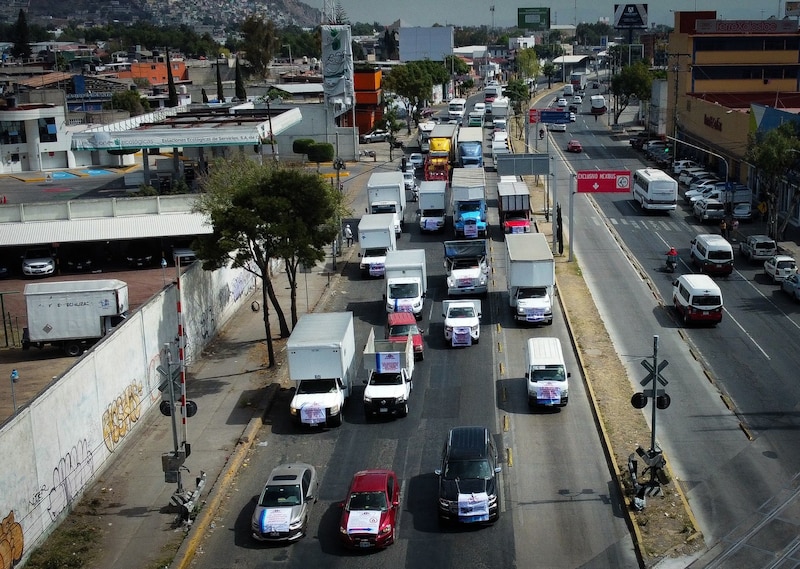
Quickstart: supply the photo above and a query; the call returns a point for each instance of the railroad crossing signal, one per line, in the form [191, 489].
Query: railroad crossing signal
[649, 367]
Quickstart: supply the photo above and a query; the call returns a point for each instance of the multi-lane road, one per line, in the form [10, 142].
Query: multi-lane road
[558, 503]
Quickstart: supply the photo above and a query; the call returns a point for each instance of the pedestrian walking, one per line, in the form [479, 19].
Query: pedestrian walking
[723, 228]
[348, 234]
[735, 226]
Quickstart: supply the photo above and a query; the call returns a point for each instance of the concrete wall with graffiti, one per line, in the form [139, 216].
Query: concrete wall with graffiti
[59, 443]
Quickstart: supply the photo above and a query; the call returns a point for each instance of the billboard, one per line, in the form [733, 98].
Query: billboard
[337, 69]
[534, 19]
[630, 16]
[419, 44]
[792, 8]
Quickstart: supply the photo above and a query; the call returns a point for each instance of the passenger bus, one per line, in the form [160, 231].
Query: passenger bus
[456, 109]
[655, 190]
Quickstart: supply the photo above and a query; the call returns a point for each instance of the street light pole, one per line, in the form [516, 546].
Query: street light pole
[291, 61]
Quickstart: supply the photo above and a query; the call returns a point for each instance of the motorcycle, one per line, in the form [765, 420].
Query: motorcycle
[671, 263]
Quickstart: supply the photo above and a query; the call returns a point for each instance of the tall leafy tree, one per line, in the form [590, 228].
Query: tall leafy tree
[519, 96]
[528, 63]
[262, 213]
[634, 81]
[239, 90]
[20, 35]
[414, 87]
[259, 41]
[775, 153]
[549, 71]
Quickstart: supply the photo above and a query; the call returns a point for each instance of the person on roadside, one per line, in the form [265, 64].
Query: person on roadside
[723, 228]
[348, 235]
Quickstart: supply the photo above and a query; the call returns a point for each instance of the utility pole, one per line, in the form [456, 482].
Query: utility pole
[675, 69]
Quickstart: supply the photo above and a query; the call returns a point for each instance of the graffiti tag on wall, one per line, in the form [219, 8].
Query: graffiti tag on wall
[72, 473]
[121, 414]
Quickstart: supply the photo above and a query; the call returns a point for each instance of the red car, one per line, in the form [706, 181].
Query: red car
[574, 146]
[399, 325]
[369, 514]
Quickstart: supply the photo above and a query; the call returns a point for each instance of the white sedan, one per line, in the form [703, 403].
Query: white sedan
[778, 267]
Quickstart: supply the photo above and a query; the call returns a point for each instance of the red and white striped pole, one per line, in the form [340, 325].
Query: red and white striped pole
[181, 350]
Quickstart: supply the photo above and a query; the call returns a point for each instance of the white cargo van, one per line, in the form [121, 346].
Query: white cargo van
[546, 373]
[697, 298]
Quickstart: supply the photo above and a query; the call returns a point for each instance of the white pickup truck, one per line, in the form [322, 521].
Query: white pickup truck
[462, 322]
[390, 366]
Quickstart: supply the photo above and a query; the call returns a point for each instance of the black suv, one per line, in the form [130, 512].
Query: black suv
[468, 477]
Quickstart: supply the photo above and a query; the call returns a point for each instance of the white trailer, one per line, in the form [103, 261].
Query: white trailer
[530, 277]
[406, 281]
[390, 366]
[514, 201]
[386, 193]
[73, 315]
[321, 352]
[432, 205]
[376, 237]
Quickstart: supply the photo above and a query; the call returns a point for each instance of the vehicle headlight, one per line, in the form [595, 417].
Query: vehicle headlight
[401, 399]
[565, 392]
[296, 523]
[294, 411]
[367, 399]
[451, 281]
[444, 503]
[386, 529]
[335, 410]
[342, 530]
[418, 304]
[483, 280]
[475, 328]
[448, 328]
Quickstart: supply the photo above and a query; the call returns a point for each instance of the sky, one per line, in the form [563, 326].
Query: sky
[477, 12]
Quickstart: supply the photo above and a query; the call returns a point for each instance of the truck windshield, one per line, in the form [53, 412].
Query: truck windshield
[375, 252]
[384, 208]
[404, 290]
[465, 263]
[538, 292]
[385, 379]
[461, 312]
[469, 206]
[403, 329]
[432, 213]
[317, 386]
[548, 373]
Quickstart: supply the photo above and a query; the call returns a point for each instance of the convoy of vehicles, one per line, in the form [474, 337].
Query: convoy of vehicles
[466, 265]
[468, 194]
[462, 322]
[369, 511]
[406, 277]
[282, 509]
[390, 369]
[514, 205]
[530, 278]
[441, 154]
[432, 205]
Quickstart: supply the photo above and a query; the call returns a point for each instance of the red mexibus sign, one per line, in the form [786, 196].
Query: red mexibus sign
[602, 181]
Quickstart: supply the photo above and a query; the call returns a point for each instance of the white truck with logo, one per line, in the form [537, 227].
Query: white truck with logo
[432, 205]
[530, 277]
[466, 264]
[462, 322]
[390, 368]
[386, 193]
[376, 237]
[321, 359]
[406, 281]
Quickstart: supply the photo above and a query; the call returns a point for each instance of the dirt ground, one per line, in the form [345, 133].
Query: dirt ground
[666, 526]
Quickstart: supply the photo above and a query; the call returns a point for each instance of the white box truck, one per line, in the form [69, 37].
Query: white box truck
[375, 238]
[514, 201]
[390, 368]
[386, 193]
[531, 277]
[73, 315]
[432, 205]
[321, 359]
[466, 265]
[406, 281]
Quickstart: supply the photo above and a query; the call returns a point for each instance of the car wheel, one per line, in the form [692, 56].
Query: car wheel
[404, 411]
[72, 349]
[421, 356]
[337, 420]
[686, 319]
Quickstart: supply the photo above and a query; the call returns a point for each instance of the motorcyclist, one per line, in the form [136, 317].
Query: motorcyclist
[672, 257]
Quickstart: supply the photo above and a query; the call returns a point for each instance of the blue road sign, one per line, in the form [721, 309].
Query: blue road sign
[554, 117]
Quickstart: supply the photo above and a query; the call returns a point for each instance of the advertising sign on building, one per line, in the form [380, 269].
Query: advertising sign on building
[337, 69]
[630, 16]
[792, 8]
[534, 19]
